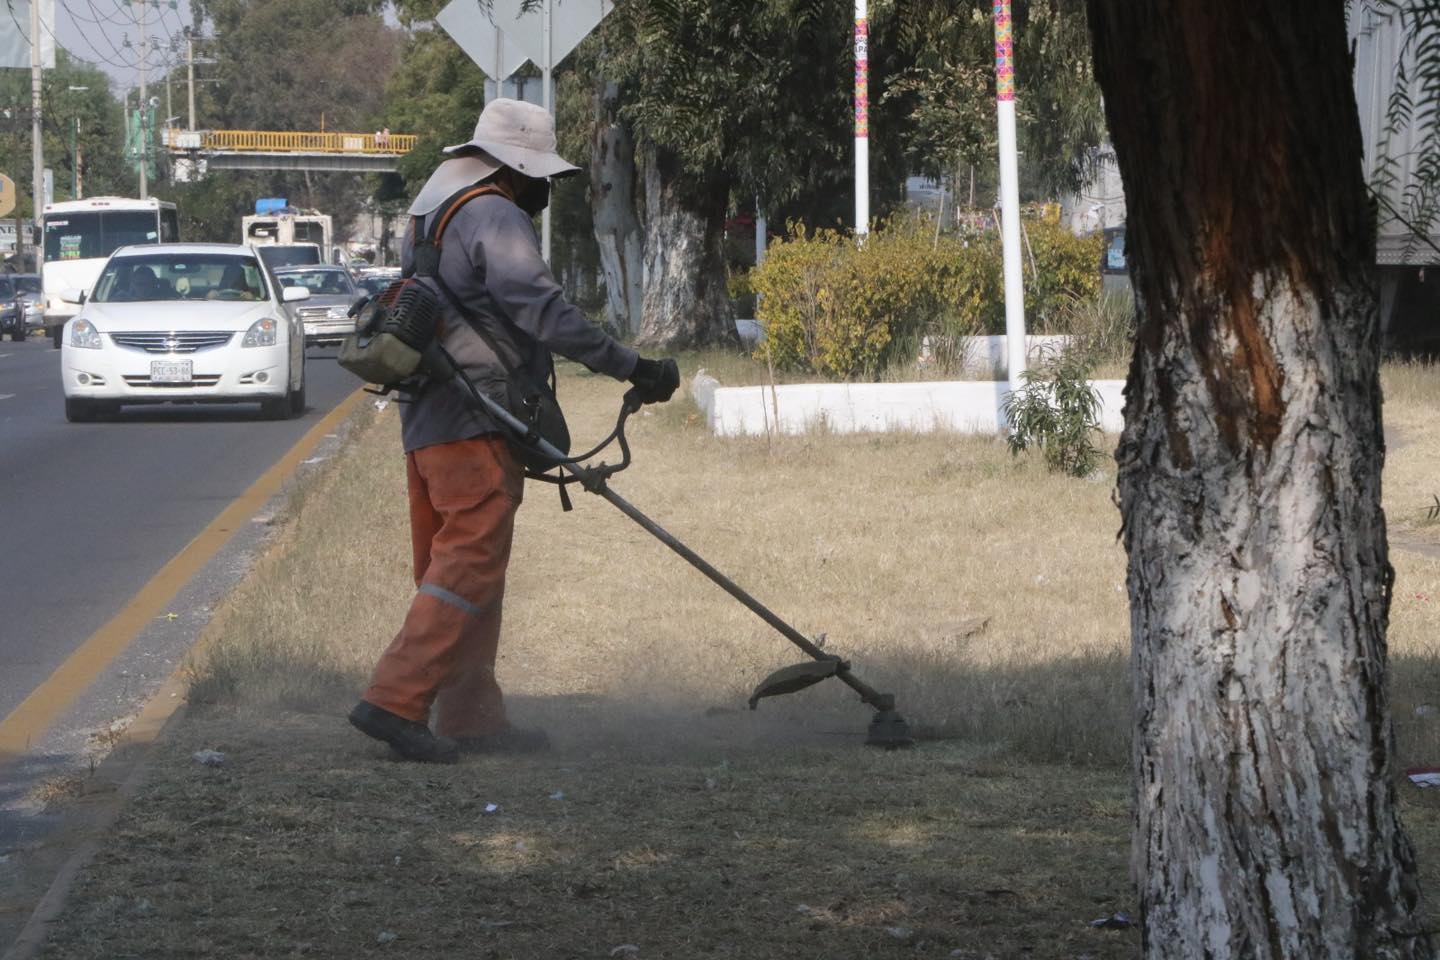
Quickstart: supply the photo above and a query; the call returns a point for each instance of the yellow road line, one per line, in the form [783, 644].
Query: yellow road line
[29, 721]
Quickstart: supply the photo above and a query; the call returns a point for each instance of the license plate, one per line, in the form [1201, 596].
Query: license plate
[171, 371]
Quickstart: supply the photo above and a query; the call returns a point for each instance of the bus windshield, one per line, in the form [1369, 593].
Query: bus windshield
[90, 235]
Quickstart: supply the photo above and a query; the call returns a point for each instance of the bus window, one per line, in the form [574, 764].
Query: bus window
[90, 235]
[169, 225]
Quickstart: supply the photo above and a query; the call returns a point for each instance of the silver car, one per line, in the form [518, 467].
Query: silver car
[326, 315]
[21, 304]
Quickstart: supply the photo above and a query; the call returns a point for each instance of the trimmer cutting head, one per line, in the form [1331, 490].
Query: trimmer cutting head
[888, 730]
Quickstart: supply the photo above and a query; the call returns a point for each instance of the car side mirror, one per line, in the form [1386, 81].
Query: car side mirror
[72, 295]
[291, 294]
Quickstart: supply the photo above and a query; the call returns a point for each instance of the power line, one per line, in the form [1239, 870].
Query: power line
[86, 37]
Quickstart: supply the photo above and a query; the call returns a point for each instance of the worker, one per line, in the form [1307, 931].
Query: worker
[464, 482]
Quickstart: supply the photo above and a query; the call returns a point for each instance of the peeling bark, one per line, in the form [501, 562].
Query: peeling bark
[1249, 476]
[686, 303]
[612, 207]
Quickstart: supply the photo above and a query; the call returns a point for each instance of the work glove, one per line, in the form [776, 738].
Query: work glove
[655, 380]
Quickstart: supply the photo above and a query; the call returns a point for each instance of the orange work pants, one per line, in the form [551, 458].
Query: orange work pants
[463, 497]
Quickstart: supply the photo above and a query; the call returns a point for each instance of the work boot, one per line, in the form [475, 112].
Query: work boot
[508, 740]
[411, 740]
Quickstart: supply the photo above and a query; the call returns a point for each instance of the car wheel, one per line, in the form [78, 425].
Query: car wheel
[275, 408]
[80, 411]
[297, 397]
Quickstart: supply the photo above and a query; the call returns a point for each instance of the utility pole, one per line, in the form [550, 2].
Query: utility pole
[144, 144]
[37, 148]
[190, 72]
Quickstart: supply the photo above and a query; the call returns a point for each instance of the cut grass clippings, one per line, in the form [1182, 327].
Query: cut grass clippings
[987, 594]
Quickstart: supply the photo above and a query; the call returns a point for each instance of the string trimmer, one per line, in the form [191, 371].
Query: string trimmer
[887, 728]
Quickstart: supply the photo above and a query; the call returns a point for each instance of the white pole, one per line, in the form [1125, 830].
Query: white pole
[1009, 197]
[862, 120]
[549, 97]
[37, 133]
[759, 233]
[190, 73]
[499, 59]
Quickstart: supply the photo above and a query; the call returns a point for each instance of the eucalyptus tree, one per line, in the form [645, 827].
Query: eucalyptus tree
[1249, 487]
[747, 98]
[949, 92]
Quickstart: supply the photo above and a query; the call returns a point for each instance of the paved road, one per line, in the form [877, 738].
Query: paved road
[92, 511]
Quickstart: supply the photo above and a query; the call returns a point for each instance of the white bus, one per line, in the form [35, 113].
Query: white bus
[80, 235]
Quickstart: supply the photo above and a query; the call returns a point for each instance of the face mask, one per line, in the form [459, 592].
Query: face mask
[534, 195]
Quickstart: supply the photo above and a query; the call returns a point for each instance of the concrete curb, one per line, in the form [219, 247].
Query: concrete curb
[962, 406]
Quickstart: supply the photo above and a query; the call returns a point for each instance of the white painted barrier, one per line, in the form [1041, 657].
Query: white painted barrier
[963, 406]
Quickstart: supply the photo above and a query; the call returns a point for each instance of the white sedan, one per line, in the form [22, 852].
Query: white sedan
[191, 322]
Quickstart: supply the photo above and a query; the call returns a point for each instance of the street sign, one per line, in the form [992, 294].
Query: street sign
[7, 195]
[570, 22]
[15, 40]
[472, 30]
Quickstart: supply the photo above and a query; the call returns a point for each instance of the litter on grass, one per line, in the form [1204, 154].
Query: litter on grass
[209, 758]
[1424, 777]
[1116, 921]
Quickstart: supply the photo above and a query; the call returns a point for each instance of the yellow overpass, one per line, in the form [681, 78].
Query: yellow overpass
[286, 150]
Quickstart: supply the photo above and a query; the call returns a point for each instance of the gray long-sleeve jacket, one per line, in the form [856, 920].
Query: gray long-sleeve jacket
[490, 259]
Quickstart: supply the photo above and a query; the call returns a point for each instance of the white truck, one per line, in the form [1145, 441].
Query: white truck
[1409, 293]
[285, 228]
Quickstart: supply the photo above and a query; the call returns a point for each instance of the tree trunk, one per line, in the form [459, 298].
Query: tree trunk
[1249, 475]
[612, 207]
[686, 303]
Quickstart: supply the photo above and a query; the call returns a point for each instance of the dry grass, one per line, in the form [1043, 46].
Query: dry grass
[883, 544]
[690, 827]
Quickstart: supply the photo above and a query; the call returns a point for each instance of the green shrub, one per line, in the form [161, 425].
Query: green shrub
[840, 309]
[1066, 268]
[1103, 327]
[1057, 410]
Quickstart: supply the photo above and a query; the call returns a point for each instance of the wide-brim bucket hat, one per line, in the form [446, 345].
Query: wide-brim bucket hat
[521, 136]
[451, 177]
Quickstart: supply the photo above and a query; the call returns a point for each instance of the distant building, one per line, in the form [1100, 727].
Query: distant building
[1100, 203]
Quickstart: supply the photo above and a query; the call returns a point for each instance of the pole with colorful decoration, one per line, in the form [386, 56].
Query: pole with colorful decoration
[1009, 197]
[862, 120]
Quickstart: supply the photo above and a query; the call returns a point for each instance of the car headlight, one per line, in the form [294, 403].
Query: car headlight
[84, 334]
[338, 313]
[261, 333]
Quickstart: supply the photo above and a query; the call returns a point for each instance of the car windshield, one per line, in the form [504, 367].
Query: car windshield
[180, 276]
[318, 282]
[374, 285]
[13, 286]
[276, 256]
